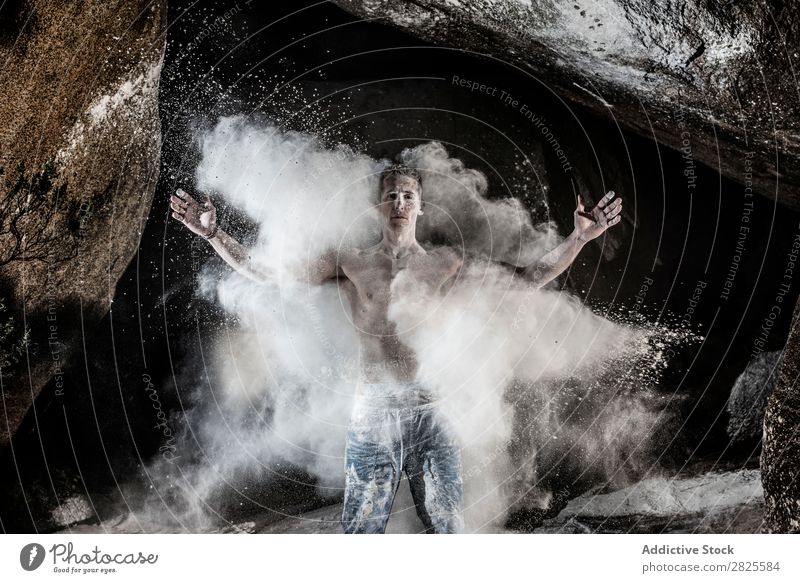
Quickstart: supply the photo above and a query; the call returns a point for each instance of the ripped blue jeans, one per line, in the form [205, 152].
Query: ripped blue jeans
[395, 428]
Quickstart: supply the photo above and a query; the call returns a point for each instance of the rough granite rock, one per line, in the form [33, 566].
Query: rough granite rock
[780, 462]
[749, 395]
[79, 151]
[711, 76]
[712, 502]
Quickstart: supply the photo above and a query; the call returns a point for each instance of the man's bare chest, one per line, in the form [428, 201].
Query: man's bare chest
[375, 278]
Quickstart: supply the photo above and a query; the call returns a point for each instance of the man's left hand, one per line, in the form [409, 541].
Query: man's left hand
[593, 223]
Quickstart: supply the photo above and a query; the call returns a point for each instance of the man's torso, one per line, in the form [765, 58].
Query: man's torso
[372, 277]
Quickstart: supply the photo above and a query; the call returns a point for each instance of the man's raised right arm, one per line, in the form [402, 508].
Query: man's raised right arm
[201, 219]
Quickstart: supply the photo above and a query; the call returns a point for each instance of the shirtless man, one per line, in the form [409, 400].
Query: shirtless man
[396, 426]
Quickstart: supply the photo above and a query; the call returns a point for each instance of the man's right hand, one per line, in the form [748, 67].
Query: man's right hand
[200, 218]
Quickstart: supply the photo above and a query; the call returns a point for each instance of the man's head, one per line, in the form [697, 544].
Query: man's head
[400, 196]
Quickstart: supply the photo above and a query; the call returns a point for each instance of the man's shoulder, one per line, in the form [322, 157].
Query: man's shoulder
[355, 257]
[366, 252]
[340, 253]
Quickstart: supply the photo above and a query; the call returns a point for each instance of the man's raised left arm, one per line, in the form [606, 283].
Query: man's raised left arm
[588, 225]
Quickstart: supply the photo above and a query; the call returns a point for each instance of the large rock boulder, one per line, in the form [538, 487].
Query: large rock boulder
[715, 501]
[749, 395]
[708, 76]
[79, 159]
[780, 463]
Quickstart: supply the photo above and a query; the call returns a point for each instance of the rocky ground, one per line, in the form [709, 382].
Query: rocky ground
[712, 502]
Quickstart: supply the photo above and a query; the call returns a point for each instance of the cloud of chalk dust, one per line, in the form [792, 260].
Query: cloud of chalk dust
[284, 378]
[293, 359]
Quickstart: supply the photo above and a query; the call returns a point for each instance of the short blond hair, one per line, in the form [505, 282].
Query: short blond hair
[402, 170]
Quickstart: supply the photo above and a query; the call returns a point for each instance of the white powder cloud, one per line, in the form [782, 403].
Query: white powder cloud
[284, 378]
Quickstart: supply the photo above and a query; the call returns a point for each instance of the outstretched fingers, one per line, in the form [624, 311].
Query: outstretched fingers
[180, 203]
[613, 209]
[609, 210]
[613, 212]
[177, 205]
[606, 199]
[184, 196]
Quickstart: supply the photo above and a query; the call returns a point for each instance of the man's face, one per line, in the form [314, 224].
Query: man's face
[400, 201]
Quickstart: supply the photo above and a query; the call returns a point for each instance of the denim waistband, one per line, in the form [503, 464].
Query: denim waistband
[394, 394]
